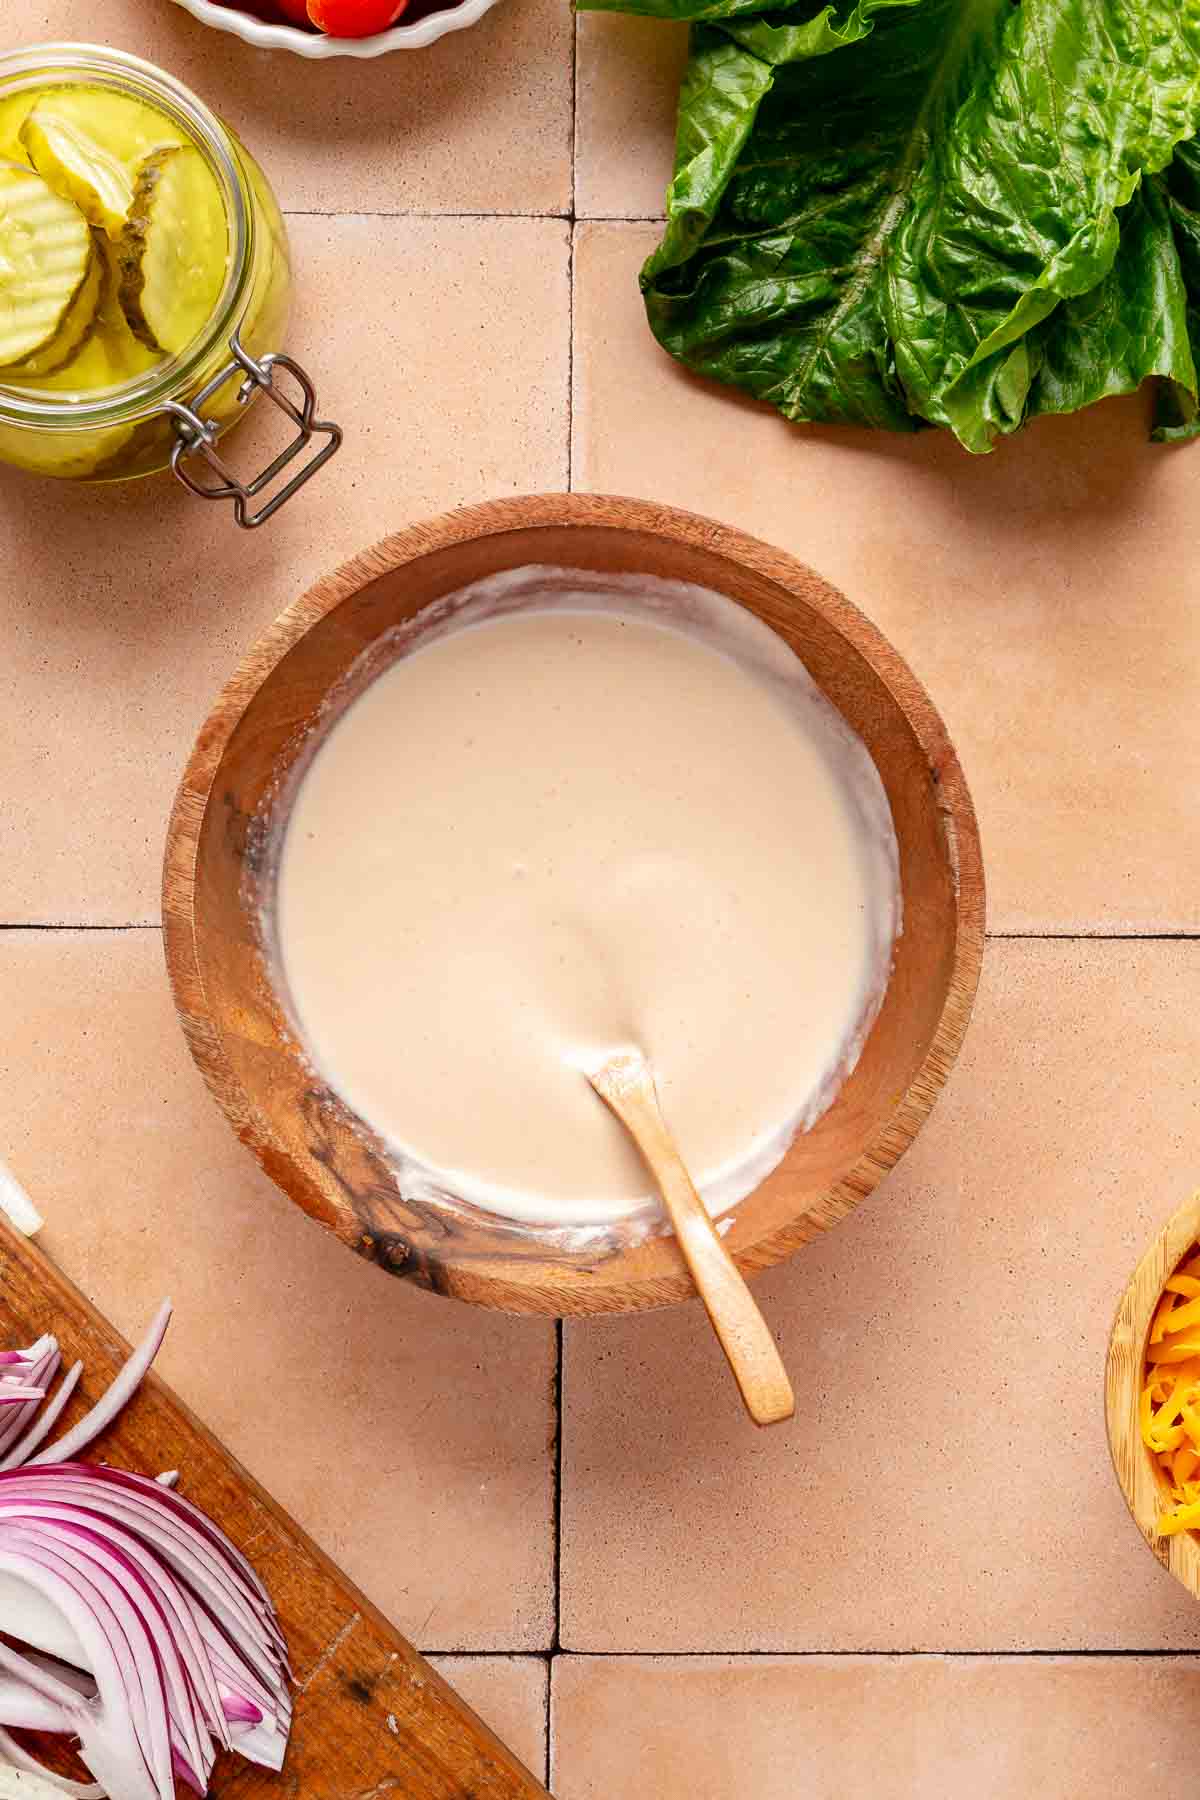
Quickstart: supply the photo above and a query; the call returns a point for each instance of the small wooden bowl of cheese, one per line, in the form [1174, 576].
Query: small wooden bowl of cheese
[1152, 1395]
[236, 1013]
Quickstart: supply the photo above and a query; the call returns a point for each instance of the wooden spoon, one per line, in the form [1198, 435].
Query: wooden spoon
[626, 1084]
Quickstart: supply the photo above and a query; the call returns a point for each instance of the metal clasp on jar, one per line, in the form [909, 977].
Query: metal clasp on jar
[197, 436]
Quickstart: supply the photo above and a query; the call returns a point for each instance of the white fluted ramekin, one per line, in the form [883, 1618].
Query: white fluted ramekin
[312, 43]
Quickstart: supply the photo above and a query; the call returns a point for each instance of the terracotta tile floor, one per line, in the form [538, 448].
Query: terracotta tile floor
[824, 1728]
[510, 1692]
[468, 126]
[580, 1526]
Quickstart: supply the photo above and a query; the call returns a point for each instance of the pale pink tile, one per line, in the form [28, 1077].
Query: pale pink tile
[126, 607]
[509, 1694]
[945, 1483]
[627, 84]
[851, 1728]
[410, 1435]
[1041, 593]
[478, 122]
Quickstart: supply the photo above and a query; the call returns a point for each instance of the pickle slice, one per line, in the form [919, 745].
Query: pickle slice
[46, 257]
[78, 324]
[70, 455]
[174, 251]
[128, 128]
[78, 168]
[109, 355]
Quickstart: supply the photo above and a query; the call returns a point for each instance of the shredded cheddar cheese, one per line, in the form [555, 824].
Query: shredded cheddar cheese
[1170, 1408]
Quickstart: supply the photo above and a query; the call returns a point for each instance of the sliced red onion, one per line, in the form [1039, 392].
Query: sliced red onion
[158, 1588]
[42, 1625]
[135, 1600]
[35, 1676]
[115, 1737]
[28, 1710]
[144, 1634]
[264, 1744]
[107, 1408]
[46, 1421]
[43, 1366]
[240, 1712]
[11, 1752]
[74, 1678]
[178, 1532]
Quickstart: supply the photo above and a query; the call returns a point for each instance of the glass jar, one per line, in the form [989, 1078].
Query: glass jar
[174, 412]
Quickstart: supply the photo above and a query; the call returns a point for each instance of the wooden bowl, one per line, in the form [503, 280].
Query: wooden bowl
[1142, 1481]
[302, 1134]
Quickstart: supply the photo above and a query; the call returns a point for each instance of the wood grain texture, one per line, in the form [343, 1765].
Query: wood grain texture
[1142, 1481]
[372, 1717]
[326, 1160]
[627, 1086]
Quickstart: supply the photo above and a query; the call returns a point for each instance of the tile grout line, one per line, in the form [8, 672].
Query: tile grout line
[569, 216]
[571, 357]
[505, 1653]
[312, 212]
[571, 223]
[556, 1521]
[574, 112]
[549, 1657]
[556, 1537]
[992, 937]
[1093, 937]
[550, 1666]
[38, 925]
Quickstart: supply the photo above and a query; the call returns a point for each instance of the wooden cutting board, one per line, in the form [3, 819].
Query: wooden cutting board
[372, 1719]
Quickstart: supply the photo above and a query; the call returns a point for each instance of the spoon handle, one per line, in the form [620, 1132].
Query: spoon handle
[626, 1084]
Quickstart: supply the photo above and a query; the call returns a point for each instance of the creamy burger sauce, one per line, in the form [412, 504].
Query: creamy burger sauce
[575, 812]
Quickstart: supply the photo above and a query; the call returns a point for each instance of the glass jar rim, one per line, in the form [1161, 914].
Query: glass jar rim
[146, 394]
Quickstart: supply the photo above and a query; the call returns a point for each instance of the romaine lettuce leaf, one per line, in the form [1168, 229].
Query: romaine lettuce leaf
[963, 212]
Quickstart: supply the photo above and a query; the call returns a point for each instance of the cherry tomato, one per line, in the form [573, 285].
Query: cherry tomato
[354, 18]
